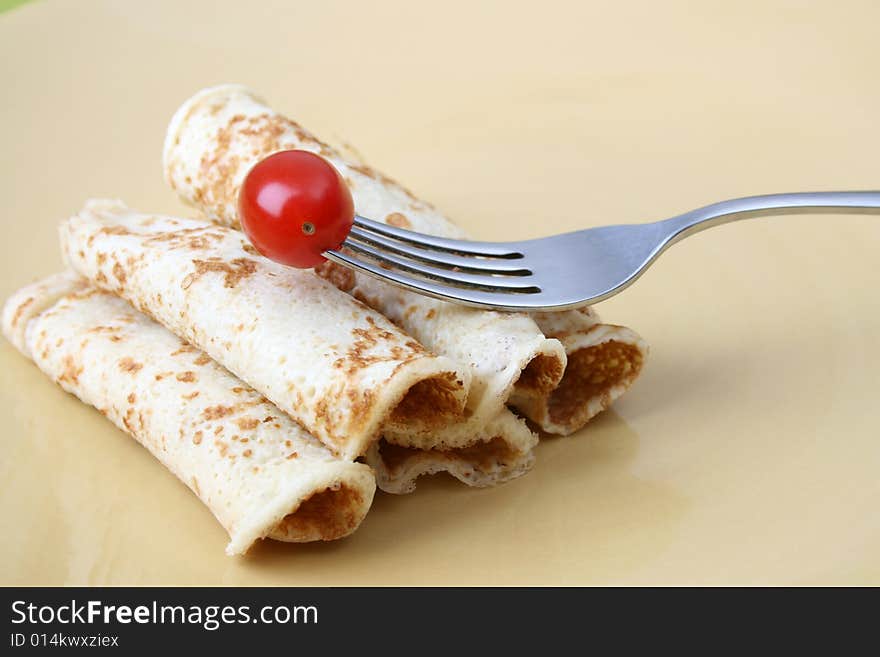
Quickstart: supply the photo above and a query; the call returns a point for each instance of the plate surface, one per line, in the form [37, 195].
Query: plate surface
[749, 451]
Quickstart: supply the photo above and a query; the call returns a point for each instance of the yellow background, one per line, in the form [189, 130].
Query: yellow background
[749, 452]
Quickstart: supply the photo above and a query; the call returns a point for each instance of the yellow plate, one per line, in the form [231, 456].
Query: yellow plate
[748, 452]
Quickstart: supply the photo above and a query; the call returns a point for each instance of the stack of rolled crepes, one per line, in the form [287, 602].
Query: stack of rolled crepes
[281, 397]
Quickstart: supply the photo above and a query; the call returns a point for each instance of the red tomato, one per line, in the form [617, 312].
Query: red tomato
[293, 206]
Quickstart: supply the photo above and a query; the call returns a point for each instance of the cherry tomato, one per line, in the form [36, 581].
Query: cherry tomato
[293, 206]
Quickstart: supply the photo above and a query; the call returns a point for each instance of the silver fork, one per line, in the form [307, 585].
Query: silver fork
[558, 272]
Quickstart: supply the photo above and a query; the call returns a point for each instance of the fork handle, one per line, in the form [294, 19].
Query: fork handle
[724, 212]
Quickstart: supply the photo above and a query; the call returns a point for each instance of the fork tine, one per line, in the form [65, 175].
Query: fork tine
[520, 284]
[499, 299]
[440, 258]
[465, 247]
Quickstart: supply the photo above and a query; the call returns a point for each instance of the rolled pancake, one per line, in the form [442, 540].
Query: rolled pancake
[221, 132]
[503, 450]
[259, 472]
[603, 361]
[335, 366]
